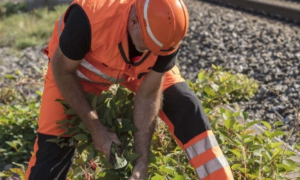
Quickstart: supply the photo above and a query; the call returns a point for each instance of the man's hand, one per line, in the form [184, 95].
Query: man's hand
[103, 138]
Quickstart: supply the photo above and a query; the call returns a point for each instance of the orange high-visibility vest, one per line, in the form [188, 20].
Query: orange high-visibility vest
[108, 59]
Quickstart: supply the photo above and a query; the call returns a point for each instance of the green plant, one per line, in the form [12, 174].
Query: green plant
[8, 8]
[29, 29]
[115, 112]
[18, 121]
[115, 109]
[251, 156]
[170, 161]
[18, 124]
[216, 86]
[20, 172]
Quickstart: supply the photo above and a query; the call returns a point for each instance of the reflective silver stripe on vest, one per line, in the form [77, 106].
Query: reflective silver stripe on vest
[201, 146]
[90, 67]
[211, 166]
[82, 76]
[59, 24]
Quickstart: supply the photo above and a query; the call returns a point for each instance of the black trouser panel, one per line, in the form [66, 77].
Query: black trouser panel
[185, 112]
[52, 162]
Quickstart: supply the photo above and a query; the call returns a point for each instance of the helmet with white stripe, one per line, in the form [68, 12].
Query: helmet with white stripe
[163, 23]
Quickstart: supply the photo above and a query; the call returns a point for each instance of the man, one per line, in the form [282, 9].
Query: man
[134, 42]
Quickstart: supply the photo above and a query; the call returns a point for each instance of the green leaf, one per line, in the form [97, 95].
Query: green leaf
[101, 99]
[257, 152]
[132, 157]
[228, 113]
[290, 153]
[209, 91]
[152, 157]
[229, 123]
[244, 115]
[157, 177]
[120, 162]
[266, 124]
[252, 176]
[6, 174]
[178, 176]
[63, 102]
[268, 133]
[277, 151]
[40, 93]
[81, 137]
[64, 127]
[278, 133]
[83, 158]
[121, 94]
[72, 131]
[109, 120]
[82, 146]
[207, 111]
[222, 110]
[12, 77]
[201, 75]
[19, 73]
[110, 176]
[129, 127]
[91, 154]
[236, 152]
[266, 155]
[251, 124]
[276, 144]
[94, 102]
[64, 121]
[113, 105]
[236, 166]
[70, 112]
[167, 169]
[53, 140]
[77, 171]
[286, 167]
[83, 127]
[19, 165]
[13, 145]
[18, 171]
[278, 123]
[236, 114]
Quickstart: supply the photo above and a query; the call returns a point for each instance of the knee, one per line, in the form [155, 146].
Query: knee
[185, 112]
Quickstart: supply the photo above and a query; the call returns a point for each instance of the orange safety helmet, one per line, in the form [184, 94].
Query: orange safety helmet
[164, 24]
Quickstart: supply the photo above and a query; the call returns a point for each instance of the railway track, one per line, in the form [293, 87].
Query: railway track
[287, 10]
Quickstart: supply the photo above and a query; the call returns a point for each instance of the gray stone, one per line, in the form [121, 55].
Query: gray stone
[288, 119]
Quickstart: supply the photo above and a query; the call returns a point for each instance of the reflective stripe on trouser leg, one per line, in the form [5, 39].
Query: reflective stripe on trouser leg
[183, 113]
[207, 158]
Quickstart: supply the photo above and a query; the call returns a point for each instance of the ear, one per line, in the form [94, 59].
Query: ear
[134, 19]
[133, 15]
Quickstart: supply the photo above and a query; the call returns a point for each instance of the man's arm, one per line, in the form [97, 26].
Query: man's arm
[146, 106]
[67, 81]
[64, 71]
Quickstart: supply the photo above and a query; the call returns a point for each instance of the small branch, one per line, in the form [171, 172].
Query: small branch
[259, 171]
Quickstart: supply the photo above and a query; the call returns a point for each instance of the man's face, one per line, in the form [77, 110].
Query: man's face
[135, 31]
